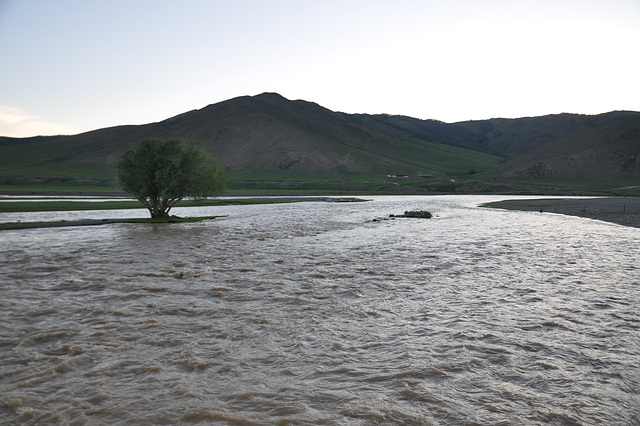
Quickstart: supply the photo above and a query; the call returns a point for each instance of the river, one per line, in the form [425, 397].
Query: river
[314, 313]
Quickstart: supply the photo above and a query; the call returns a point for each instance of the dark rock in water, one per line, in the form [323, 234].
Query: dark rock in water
[380, 219]
[420, 214]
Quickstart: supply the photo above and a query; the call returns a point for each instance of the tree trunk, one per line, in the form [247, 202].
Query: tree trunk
[156, 208]
[159, 207]
[158, 213]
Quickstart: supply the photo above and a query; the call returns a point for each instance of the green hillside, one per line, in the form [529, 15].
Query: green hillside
[607, 152]
[271, 144]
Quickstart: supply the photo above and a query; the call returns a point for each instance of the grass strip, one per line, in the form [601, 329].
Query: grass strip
[63, 205]
[39, 206]
[95, 222]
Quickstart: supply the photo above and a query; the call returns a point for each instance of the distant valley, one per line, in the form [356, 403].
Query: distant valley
[268, 143]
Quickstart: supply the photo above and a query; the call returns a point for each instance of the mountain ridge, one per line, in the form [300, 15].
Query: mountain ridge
[268, 134]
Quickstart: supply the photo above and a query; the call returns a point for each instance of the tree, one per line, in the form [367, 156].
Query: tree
[161, 173]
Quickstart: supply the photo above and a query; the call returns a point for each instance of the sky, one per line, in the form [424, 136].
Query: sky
[70, 66]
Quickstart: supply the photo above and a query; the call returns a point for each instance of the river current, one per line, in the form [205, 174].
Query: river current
[314, 313]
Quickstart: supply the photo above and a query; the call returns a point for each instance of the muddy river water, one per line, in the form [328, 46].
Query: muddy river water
[313, 313]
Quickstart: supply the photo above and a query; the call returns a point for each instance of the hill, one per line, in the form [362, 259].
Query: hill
[608, 152]
[269, 142]
[502, 137]
[264, 137]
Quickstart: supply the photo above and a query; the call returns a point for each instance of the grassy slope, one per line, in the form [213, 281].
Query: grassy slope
[47, 162]
[512, 137]
[586, 155]
[295, 129]
[329, 152]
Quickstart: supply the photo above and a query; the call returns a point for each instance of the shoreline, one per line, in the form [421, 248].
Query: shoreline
[619, 210]
[95, 222]
[107, 205]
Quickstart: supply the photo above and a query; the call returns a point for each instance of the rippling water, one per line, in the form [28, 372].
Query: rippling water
[312, 313]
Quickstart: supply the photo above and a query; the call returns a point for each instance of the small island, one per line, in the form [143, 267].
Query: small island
[420, 214]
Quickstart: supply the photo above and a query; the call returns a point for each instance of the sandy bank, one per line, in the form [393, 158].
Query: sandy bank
[621, 210]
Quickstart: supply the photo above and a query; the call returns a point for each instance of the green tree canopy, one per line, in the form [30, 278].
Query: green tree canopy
[160, 173]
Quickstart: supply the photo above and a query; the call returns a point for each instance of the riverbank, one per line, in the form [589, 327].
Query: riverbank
[95, 222]
[55, 205]
[61, 204]
[621, 210]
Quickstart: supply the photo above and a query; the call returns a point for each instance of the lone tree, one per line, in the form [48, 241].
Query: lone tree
[161, 173]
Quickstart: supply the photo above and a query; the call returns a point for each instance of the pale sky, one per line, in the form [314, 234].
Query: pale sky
[70, 66]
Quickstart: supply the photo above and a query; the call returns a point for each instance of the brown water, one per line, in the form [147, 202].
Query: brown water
[312, 313]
